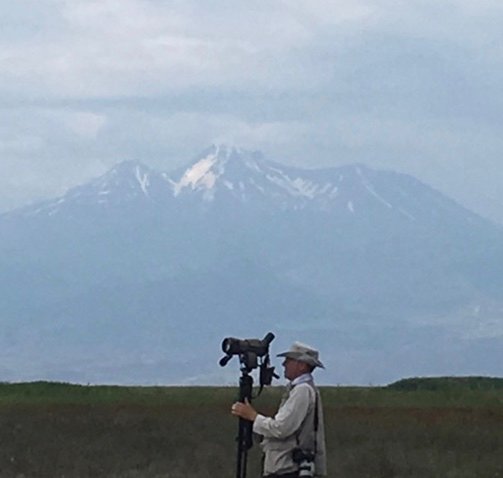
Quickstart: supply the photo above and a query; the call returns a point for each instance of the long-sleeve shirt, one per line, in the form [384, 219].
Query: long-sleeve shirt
[291, 427]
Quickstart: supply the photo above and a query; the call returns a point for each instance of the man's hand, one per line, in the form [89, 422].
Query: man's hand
[244, 410]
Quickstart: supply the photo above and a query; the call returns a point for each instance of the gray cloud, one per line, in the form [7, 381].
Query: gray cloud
[408, 85]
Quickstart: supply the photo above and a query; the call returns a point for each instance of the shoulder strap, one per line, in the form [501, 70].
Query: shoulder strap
[316, 419]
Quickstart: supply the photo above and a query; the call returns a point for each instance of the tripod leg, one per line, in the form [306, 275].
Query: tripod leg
[244, 444]
[244, 439]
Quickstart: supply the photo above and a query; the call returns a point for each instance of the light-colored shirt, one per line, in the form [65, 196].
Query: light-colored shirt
[292, 426]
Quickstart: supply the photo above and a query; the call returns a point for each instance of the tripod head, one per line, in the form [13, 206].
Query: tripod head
[249, 352]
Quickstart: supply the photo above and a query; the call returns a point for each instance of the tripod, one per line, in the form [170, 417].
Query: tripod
[244, 438]
[249, 351]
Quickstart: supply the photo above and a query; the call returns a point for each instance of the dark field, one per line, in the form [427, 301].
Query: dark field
[450, 430]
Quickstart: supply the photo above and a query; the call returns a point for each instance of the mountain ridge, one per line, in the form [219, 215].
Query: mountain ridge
[302, 187]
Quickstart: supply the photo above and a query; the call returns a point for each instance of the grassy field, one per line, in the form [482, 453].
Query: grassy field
[424, 429]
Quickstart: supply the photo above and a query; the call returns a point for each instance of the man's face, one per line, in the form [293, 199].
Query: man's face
[293, 368]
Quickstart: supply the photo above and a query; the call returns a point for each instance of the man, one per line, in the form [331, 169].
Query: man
[298, 424]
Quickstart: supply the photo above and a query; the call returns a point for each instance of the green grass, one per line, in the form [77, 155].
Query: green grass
[65, 393]
[63, 430]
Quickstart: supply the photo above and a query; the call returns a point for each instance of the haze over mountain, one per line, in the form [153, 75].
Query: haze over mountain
[137, 275]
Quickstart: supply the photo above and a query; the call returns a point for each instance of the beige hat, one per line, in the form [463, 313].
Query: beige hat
[303, 353]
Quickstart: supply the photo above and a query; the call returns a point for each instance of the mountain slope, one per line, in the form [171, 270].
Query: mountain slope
[233, 243]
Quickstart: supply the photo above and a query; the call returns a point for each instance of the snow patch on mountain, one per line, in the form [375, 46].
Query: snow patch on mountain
[371, 190]
[143, 180]
[199, 175]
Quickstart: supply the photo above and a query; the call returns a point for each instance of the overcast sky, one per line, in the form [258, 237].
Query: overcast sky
[413, 85]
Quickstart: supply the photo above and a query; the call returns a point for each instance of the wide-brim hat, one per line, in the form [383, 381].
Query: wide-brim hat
[303, 353]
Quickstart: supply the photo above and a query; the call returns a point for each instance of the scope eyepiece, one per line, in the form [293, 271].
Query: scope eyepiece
[268, 338]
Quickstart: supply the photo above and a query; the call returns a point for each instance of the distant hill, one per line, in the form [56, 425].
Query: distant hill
[446, 383]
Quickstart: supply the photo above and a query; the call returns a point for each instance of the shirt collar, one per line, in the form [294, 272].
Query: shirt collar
[305, 377]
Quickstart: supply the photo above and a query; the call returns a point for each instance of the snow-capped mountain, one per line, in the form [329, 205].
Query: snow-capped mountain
[227, 175]
[225, 172]
[143, 263]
